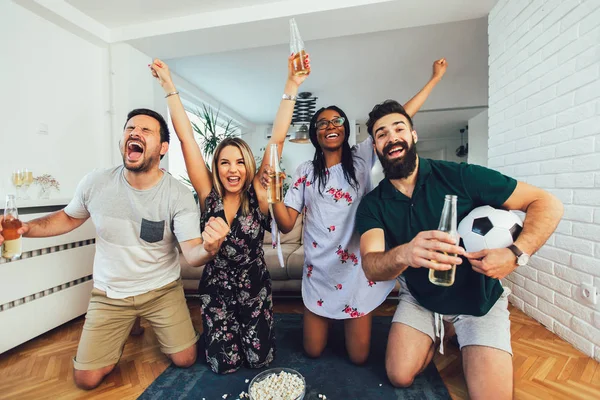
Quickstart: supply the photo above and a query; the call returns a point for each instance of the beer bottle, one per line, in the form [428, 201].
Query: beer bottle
[275, 189]
[447, 224]
[297, 49]
[10, 225]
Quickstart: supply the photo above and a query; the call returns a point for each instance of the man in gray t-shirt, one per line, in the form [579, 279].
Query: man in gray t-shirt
[141, 213]
[137, 230]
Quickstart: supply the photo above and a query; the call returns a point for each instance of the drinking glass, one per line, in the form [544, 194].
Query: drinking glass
[17, 181]
[26, 180]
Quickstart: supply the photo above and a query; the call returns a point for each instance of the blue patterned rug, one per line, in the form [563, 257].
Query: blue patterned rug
[332, 375]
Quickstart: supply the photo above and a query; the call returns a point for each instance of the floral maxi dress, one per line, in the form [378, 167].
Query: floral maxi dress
[235, 293]
[333, 282]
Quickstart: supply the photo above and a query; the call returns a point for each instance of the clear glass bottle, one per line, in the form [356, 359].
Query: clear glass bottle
[275, 189]
[11, 249]
[297, 49]
[447, 224]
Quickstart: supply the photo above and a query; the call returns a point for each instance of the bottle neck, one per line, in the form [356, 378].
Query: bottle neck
[10, 210]
[274, 157]
[448, 221]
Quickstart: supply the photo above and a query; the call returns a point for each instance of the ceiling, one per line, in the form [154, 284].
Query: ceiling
[118, 13]
[363, 51]
[353, 72]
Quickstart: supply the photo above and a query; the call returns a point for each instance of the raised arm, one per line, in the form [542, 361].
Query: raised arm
[194, 162]
[283, 118]
[415, 104]
[281, 125]
[54, 224]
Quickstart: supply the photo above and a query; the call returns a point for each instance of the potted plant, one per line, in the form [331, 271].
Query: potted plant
[209, 132]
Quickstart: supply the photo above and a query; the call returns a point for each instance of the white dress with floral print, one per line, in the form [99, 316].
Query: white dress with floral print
[333, 282]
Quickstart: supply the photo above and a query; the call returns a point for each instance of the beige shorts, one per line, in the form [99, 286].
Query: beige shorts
[490, 330]
[109, 321]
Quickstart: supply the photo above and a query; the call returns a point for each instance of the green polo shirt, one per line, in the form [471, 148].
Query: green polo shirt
[402, 218]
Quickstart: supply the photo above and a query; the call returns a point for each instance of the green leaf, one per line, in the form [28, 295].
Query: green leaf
[208, 132]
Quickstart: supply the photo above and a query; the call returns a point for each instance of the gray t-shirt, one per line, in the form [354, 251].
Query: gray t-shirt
[137, 230]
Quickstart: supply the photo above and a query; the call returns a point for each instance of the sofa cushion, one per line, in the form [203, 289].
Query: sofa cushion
[295, 263]
[293, 236]
[278, 273]
[191, 272]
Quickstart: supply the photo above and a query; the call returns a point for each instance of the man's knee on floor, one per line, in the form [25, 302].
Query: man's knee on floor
[185, 358]
[401, 379]
[87, 380]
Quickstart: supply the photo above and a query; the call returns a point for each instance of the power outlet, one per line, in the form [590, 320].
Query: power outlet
[589, 293]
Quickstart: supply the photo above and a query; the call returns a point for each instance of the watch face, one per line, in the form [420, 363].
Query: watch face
[523, 259]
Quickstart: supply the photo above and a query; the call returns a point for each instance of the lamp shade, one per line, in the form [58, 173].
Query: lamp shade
[301, 135]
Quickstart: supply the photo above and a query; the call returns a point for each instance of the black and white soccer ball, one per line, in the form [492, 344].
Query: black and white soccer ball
[487, 227]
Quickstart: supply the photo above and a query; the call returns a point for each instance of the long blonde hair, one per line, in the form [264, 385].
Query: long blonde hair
[250, 170]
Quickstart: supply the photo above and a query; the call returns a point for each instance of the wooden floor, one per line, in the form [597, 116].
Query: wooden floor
[546, 367]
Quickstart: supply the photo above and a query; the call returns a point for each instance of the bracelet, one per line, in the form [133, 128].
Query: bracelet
[288, 97]
[171, 94]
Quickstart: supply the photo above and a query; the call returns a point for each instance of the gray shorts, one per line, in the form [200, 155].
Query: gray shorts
[491, 329]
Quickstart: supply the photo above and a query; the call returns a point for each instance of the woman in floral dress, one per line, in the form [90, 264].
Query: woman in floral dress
[328, 190]
[235, 288]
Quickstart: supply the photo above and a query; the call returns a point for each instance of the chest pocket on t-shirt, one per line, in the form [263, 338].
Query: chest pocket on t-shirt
[152, 231]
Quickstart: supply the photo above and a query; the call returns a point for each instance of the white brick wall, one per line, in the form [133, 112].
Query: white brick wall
[544, 129]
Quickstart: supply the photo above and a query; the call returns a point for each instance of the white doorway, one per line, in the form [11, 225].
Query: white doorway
[439, 154]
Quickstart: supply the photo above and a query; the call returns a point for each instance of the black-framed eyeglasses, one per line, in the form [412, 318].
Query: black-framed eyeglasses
[323, 124]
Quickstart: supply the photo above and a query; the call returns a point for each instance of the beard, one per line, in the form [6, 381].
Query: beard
[399, 168]
[145, 166]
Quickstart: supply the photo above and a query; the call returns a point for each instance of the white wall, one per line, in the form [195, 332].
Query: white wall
[132, 87]
[447, 145]
[544, 126]
[50, 76]
[293, 154]
[478, 139]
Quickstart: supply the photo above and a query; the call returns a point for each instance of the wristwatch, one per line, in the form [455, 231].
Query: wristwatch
[522, 258]
[288, 97]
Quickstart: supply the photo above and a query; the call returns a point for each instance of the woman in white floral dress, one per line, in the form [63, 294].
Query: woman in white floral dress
[328, 190]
